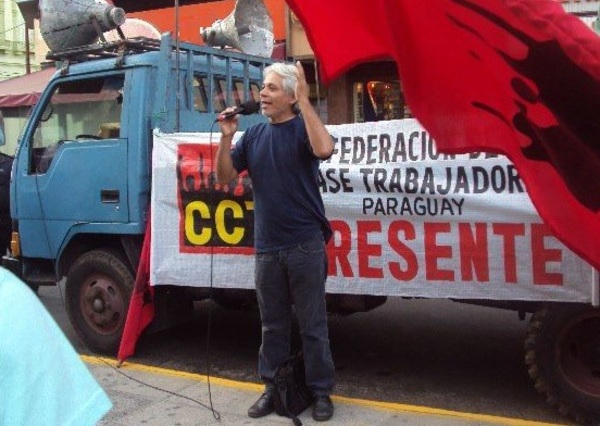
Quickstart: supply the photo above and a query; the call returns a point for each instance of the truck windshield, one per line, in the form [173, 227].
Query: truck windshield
[80, 110]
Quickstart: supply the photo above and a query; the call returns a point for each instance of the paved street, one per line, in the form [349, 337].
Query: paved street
[408, 356]
[169, 397]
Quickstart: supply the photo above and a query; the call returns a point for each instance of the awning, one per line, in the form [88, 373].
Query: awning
[24, 90]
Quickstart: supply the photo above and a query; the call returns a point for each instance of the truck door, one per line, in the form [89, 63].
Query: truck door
[73, 168]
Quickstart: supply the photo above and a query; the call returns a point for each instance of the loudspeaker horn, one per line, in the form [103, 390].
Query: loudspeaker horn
[65, 24]
[247, 28]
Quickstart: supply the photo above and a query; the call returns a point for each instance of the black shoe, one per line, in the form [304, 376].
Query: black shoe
[263, 406]
[322, 408]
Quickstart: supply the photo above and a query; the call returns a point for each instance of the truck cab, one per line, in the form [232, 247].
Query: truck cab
[80, 187]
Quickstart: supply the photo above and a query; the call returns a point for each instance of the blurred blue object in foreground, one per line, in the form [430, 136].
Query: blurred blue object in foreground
[42, 379]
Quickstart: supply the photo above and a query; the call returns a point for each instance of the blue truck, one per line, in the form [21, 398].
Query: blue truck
[81, 177]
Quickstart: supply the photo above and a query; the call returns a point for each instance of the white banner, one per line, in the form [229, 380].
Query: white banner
[407, 221]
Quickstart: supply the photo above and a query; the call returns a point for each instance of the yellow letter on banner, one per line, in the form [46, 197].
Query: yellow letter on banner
[237, 234]
[204, 236]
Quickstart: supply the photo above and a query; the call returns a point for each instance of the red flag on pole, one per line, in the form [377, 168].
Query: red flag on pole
[141, 306]
[516, 77]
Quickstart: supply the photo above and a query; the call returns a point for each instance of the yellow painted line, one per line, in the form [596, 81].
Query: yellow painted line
[416, 409]
[375, 405]
[127, 366]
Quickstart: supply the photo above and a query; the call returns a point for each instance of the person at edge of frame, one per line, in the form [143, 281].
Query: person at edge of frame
[290, 228]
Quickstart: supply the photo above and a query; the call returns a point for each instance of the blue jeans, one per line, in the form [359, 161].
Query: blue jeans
[295, 276]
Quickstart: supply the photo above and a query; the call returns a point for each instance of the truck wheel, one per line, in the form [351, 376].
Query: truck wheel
[562, 353]
[98, 291]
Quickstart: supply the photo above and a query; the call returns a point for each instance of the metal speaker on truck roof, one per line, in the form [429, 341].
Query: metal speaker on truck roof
[248, 28]
[65, 24]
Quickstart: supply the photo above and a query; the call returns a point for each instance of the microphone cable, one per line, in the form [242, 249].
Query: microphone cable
[210, 407]
[211, 199]
[117, 369]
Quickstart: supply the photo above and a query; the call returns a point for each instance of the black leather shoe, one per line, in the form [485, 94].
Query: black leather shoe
[263, 406]
[322, 408]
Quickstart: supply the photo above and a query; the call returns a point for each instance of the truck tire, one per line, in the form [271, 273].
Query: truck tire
[98, 291]
[562, 353]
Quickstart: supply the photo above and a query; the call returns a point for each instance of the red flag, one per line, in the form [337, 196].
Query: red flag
[141, 306]
[516, 77]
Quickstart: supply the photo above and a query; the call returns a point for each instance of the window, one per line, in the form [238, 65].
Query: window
[200, 86]
[219, 96]
[13, 120]
[80, 110]
[376, 100]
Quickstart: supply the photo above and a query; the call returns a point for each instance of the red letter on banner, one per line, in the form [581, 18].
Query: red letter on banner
[409, 256]
[366, 250]
[509, 232]
[541, 255]
[340, 252]
[474, 252]
[433, 252]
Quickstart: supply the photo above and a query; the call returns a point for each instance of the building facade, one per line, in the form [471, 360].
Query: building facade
[15, 58]
[368, 92]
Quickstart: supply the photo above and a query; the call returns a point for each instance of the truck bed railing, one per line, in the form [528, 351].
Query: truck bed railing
[220, 69]
[108, 49]
[216, 63]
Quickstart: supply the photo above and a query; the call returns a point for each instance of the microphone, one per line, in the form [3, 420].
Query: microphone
[246, 108]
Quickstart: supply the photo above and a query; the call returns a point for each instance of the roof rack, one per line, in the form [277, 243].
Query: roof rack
[106, 49]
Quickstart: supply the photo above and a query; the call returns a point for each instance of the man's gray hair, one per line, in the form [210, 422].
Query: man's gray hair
[288, 74]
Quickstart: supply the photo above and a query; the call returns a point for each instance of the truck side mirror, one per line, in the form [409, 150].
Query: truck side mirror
[47, 113]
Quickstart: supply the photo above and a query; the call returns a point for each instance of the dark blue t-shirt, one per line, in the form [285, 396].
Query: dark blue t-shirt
[288, 207]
